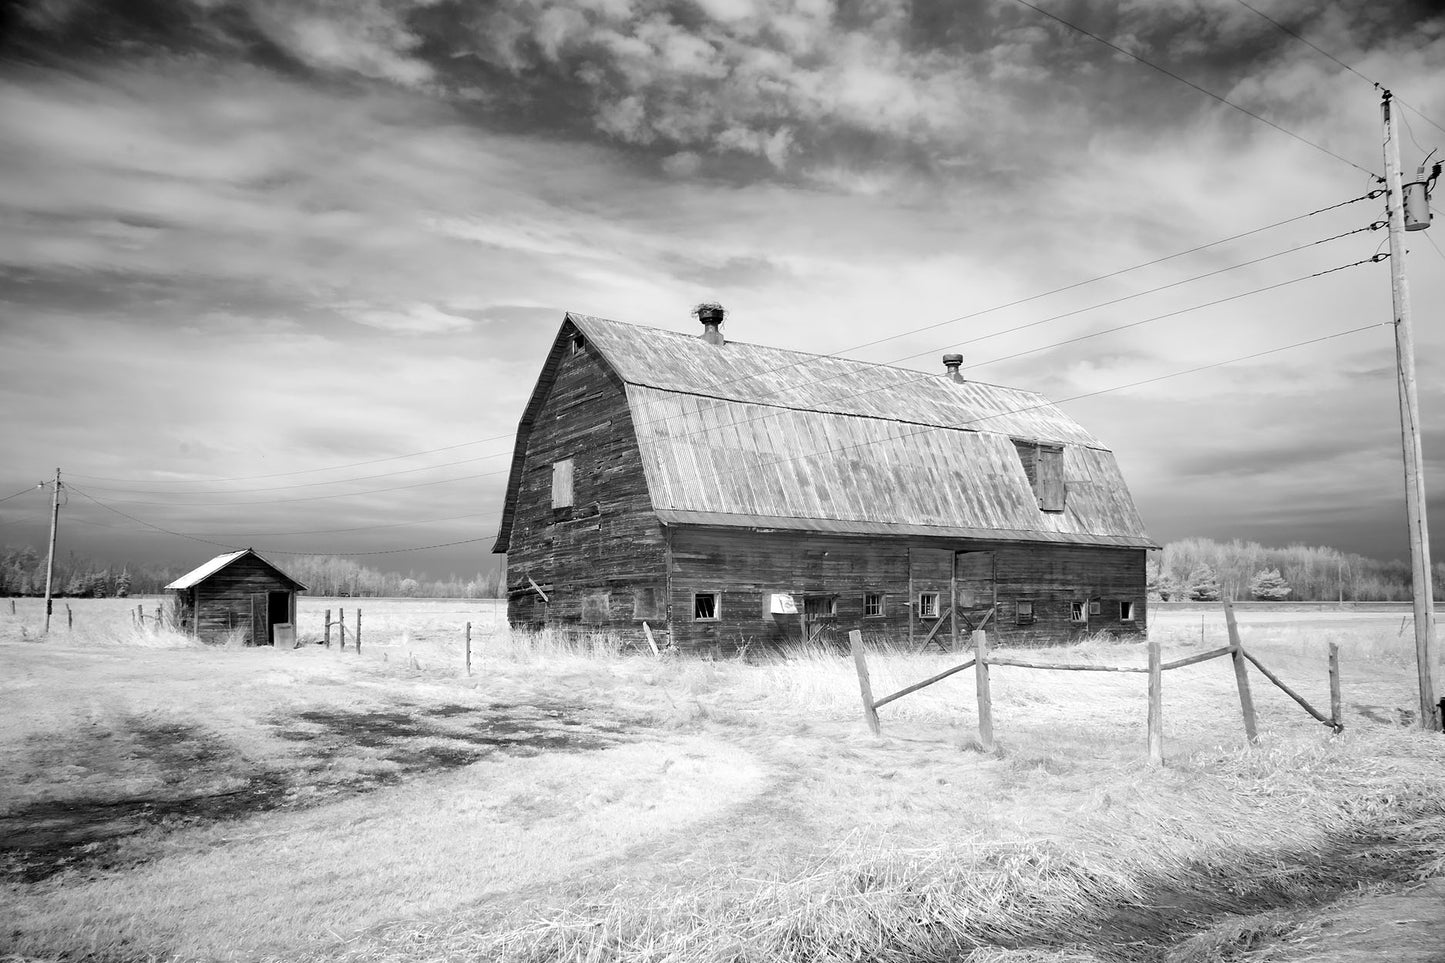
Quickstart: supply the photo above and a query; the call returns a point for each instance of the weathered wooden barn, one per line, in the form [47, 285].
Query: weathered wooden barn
[238, 590]
[731, 493]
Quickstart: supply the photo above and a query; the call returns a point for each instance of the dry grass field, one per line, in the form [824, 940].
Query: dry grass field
[570, 801]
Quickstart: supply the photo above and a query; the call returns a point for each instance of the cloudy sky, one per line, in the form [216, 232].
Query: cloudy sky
[282, 273]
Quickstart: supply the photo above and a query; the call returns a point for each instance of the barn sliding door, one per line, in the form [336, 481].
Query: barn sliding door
[974, 572]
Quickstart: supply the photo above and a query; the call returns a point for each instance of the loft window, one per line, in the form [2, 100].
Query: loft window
[1024, 612]
[928, 605]
[578, 344]
[562, 484]
[705, 607]
[1126, 611]
[872, 604]
[1076, 612]
[1044, 467]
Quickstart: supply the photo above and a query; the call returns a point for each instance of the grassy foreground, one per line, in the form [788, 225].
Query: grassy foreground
[586, 804]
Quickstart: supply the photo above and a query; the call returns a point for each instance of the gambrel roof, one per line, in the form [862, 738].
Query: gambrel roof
[746, 435]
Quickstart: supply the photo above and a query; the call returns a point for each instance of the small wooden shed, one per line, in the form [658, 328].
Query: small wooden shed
[238, 590]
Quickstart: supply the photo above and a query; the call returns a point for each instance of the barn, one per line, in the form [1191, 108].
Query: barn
[731, 494]
[238, 590]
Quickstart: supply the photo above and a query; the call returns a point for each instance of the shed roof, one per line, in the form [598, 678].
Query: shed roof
[746, 435]
[205, 570]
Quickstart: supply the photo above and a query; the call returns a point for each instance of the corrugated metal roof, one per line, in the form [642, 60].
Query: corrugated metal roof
[795, 379]
[205, 570]
[752, 463]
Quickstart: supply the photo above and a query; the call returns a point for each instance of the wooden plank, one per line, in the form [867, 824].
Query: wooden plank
[981, 688]
[870, 713]
[1201, 657]
[1156, 706]
[938, 624]
[906, 690]
[1288, 691]
[647, 631]
[1241, 674]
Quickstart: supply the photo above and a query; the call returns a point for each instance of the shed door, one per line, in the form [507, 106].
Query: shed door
[976, 594]
[260, 630]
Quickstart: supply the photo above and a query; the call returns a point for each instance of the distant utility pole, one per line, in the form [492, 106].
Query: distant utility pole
[50, 561]
[1425, 642]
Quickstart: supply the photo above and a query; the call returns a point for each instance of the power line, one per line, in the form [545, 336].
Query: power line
[148, 524]
[1189, 83]
[25, 491]
[1160, 317]
[1325, 53]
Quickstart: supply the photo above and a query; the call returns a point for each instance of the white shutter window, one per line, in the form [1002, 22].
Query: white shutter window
[562, 484]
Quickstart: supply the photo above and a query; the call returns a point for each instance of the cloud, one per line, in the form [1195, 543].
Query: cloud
[416, 319]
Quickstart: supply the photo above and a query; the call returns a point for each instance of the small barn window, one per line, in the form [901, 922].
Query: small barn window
[562, 484]
[1076, 612]
[579, 344]
[1024, 612]
[928, 605]
[1126, 611]
[595, 607]
[705, 607]
[1095, 607]
[872, 604]
[648, 603]
[1044, 467]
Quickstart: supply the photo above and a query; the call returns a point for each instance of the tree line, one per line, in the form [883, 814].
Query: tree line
[22, 572]
[1205, 570]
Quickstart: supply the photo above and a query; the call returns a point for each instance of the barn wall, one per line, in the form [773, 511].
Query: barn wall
[224, 599]
[593, 558]
[747, 567]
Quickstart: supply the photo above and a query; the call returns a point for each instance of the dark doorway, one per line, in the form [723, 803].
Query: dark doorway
[278, 612]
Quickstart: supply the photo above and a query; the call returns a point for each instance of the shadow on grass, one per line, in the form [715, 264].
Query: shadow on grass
[382, 747]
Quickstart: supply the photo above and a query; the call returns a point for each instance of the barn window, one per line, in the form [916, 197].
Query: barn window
[578, 344]
[1044, 467]
[648, 603]
[705, 607]
[1024, 612]
[1095, 607]
[820, 606]
[928, 605]
[595, 607]
[1076, 612]
[872, 604]
[562, 484]
[1126, 611]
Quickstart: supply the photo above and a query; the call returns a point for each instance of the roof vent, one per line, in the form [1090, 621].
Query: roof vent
[951, 364]
[711, 314]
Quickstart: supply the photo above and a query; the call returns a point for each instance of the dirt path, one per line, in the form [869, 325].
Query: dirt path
[1404, 926]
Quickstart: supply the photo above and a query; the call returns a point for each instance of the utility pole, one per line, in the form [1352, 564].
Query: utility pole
[1424, 602]
[50, 561]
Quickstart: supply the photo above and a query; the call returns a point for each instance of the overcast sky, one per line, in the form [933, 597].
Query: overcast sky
[258, 255]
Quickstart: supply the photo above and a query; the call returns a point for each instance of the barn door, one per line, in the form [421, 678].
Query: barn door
[260, 630]
[976, 592]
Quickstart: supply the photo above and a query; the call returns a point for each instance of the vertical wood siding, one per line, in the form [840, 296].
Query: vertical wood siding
[223, 600]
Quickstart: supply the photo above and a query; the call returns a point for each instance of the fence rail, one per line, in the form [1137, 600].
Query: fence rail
[983, 661]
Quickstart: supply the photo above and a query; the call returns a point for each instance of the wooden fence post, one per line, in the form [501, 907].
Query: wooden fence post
[985, 697]
[158, 618]
[358, 631]
[1241, 674]
[469, 649]
[140, 616]
[1156, 706]
[12, 606]
[69, 617]
[870, 714]
[1335, 714]
[341, 628]
[327, 630]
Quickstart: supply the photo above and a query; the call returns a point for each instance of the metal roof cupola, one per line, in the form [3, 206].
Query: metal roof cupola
[711, 314]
